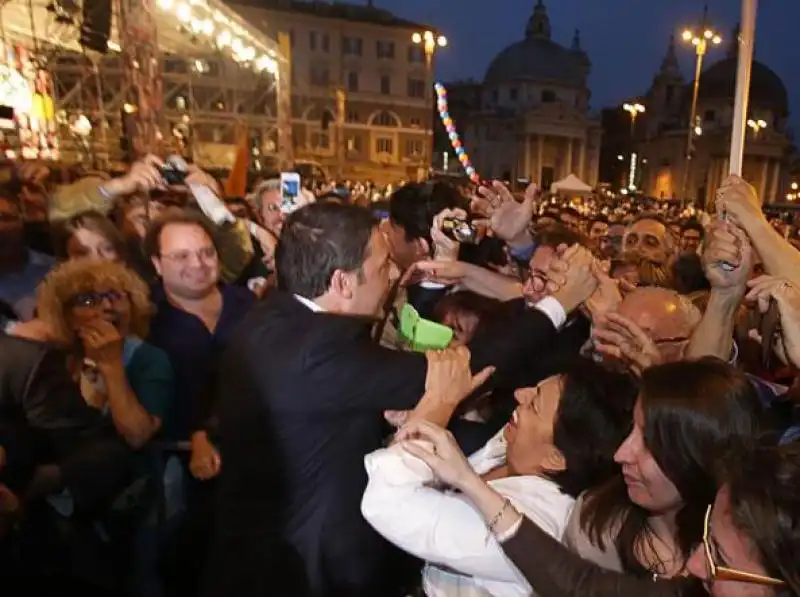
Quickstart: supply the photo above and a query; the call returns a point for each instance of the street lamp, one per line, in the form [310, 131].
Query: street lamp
[757, 125]
[430, 42]
[701, 40]
[634, 110]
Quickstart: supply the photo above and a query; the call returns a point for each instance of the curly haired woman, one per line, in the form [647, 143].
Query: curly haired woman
[100, 310]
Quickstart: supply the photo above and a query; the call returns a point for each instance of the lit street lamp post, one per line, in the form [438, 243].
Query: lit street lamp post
[700, 41]
[634, 110]
[757, 125]
[430, 42]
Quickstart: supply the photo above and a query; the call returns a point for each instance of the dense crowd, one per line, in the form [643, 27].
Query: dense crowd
[440, 390]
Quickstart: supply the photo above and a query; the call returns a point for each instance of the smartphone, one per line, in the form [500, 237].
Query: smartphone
[290, 191]
[172, 176]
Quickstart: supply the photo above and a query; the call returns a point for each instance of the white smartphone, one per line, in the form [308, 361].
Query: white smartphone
[290, 191]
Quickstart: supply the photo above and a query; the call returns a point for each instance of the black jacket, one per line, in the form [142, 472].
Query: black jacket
[300, 403]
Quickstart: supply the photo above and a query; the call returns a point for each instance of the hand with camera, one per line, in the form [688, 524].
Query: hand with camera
[144, 176]
[445, 245]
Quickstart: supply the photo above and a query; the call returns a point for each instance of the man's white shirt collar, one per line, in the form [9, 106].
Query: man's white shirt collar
[309, 303]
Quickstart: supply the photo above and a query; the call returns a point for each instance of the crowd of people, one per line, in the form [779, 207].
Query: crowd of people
[220, 396]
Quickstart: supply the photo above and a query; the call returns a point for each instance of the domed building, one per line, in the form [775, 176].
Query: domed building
[533, 119]
[662, 139]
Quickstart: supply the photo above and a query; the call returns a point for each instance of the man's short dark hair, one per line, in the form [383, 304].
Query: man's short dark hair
[414, 206]
[319, 239]
[693, 225]
[152, 240]
[556, 235]
[598, 219]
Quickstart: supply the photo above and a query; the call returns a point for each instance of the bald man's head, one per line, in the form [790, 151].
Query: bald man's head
[666, 316]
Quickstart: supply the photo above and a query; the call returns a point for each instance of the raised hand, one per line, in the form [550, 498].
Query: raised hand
[508, 218]
[449, 378]
[618, 337]
[764, 290]
[439, 450]
[739, 200]
[727, 243]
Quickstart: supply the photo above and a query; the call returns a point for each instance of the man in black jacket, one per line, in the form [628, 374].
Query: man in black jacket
[301, 397]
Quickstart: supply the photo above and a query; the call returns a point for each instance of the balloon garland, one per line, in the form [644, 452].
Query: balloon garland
[450, 127]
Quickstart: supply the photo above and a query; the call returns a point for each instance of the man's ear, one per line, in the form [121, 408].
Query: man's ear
[342, 284]
[157, 265]
[422, 248]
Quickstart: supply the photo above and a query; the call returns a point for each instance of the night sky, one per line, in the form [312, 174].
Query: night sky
[625, 39]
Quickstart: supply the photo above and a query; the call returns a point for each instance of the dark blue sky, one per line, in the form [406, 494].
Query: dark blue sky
[625, 39]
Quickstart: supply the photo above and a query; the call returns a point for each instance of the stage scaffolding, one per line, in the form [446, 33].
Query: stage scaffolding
[187, 76]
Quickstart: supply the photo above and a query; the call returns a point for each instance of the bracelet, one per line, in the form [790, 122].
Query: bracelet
[497, 518]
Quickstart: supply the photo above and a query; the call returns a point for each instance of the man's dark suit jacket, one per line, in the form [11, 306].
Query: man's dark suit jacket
[300, 402]
[53, 424]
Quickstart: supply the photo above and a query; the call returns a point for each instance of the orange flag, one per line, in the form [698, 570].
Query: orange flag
[236, 185]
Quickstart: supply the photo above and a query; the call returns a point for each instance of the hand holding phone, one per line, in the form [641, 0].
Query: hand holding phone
[290, 192]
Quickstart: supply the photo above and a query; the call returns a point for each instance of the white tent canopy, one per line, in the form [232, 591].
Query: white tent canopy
[571, 184]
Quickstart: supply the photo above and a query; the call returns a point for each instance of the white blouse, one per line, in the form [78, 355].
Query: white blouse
[463, 559]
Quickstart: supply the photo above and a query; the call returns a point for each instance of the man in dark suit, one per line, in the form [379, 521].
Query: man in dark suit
[300, 401]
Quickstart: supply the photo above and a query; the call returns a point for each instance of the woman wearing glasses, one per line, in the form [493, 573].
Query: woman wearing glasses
[100, 310]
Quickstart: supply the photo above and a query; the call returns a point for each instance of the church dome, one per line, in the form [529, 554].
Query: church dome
[537, 57]
[766, 88]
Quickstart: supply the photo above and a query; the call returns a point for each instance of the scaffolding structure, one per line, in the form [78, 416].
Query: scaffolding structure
[179, 76]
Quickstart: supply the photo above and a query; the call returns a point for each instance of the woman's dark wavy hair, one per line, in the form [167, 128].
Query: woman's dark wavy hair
[593, 418]
[694, 412]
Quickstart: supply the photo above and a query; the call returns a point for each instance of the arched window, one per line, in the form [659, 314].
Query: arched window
[386, 119]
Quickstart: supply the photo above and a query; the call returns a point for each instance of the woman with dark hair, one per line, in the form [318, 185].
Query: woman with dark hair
[90, 234]
[559, 442]
[648, 521]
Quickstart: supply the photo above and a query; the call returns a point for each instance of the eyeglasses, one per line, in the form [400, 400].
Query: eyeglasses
[93, 299]
[204, 254]
[717, 572]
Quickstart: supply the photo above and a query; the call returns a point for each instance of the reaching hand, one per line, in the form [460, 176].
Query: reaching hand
[617, 337]
[144, 176]
[726, 243]
[508, 218]
[448, 273]
[570, 277]
[205, 462]
[739, 200]
[439, 450]
[444, 247]
[607, 297]
[766, 288]
[449, 377]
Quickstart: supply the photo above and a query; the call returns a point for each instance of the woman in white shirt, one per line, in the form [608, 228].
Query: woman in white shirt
[560, 441]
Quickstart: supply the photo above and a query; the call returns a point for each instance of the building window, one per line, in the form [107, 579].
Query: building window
[416, 54]
[352, 81]
[312, 40]
[352, 46]
[385, 49]
[548, 97]
[352, 115]
[320, 75]
[415, 122]
[384, 145]
[386, 85]
[513, 94]
[413, 147]
[416, 88]
[386, 119]
[354, 144]
[326, 42]
[710, 116]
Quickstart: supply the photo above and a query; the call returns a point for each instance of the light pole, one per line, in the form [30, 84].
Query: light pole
[701, 42]
[430, 42]
[634, 110]
[757, 125]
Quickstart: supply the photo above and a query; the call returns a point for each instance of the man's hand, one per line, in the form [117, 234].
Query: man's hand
[765, 289]
[32, 172]
[449, 378]
[444, 247]
[607, 297]
[508, 218]
[448, 273]
[195, 175]
[738, 199]
[617, 337]
[205, 462]
[726, 243]
[570, 277]
[144, 176]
